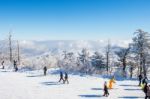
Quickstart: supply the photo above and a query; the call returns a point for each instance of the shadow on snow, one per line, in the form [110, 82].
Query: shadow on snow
[131, 97]
[132, 89]
[129, 85]
[35, 75]
[96, 88]
[91, 96]
[50, 83]
[5, 71]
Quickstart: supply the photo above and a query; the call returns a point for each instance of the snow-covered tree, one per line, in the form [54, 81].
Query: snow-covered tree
[98, 60]
[141, 46]
[68, 61]
[122, 54]
[84, 59]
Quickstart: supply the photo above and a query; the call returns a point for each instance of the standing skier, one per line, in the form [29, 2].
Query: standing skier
[61, 76]
[66, 78]
[3, 65]
[140, 79]
[145, 89]
[15, 66]
[145, 80]
[148, 92]
[112, 80]
[106, 93]
[45, 70]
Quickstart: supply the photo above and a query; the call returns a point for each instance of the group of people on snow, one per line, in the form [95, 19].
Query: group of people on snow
[143, 82]
[14, 63]
[110, 86]
[62, 77]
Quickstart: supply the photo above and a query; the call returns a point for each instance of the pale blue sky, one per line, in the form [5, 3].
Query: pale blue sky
[73, 19]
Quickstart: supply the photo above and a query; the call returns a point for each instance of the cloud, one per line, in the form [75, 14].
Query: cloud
[40, 47]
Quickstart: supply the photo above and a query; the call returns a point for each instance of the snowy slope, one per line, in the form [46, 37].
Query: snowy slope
[33, 85]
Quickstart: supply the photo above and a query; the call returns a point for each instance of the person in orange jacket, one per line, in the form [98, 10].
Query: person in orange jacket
[111, 82]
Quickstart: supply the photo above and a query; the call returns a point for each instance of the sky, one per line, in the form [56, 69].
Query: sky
[73, 19]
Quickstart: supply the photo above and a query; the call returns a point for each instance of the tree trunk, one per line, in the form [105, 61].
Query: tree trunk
[124, 66]
[10, 48]
[141, 63]
[144, 67]
[18, 52]
[131, 72]
[107, 63]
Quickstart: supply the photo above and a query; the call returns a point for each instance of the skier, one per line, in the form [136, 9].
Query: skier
[145, 80]
[61, 77]
[111, 82]
[145, 89]
[106, 93]
[45, 70]
[66, 78]
[15, 66]
[3, 65]
[148, 92]
[140, 79]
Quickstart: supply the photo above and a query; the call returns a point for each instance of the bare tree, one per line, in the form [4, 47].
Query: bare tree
[18, 51]
[108, 56]
[10, 46]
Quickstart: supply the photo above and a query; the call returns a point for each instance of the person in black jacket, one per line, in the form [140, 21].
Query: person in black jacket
[61, 77]
[15, 66]
[106, 93]
[45, 70]
[148, 91]
[145, 80]
[145, 90]
[3, 65]
[66, 78]
[140, 79]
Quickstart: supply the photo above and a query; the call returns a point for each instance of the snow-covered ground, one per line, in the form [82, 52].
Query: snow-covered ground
[33, 85]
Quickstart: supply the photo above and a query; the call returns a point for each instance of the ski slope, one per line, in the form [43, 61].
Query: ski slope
[33, 85]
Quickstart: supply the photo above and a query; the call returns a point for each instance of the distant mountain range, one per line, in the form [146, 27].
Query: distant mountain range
[33, 48]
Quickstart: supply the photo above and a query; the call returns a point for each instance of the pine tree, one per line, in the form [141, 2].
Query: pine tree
[84, 60]
[98, 60]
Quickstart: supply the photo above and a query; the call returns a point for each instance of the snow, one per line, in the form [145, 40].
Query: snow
[33, 85]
